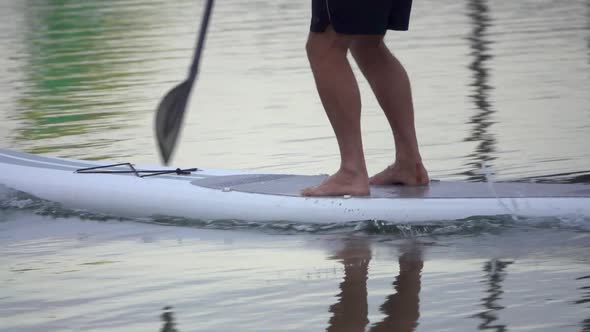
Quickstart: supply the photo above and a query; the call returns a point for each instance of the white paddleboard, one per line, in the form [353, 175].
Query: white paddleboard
[214, 194]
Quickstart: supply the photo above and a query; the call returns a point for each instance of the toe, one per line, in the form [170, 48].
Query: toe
[308, 191]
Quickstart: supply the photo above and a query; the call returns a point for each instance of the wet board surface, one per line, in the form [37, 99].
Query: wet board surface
[291, 185]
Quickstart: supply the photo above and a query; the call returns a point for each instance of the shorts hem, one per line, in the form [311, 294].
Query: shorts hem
[353, 31]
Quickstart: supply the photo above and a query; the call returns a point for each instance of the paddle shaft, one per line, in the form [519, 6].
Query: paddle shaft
[200, 41]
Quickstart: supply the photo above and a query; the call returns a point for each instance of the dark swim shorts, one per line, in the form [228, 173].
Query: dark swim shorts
[367, 17]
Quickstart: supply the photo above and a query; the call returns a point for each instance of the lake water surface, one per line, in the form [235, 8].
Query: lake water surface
[497, 84]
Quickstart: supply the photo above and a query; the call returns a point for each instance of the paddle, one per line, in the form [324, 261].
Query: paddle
[171, 109]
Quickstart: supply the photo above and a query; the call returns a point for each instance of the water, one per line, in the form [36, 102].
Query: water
[63, 275]
[501, 84]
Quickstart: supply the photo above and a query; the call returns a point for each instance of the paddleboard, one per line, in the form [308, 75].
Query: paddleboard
[126, 190]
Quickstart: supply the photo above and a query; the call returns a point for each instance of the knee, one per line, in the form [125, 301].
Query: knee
[365, 50]
[321, 46]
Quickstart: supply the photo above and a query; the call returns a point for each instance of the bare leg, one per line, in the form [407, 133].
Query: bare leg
[340, 97]
[391, 86]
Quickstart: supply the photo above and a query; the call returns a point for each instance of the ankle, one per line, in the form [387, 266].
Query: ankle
[353, 171]
[409, 160]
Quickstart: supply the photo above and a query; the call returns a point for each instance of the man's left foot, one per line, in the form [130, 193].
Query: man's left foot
[340, 184]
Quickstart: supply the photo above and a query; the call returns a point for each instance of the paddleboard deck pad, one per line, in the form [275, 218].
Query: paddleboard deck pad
[292, 185]
[128, 190]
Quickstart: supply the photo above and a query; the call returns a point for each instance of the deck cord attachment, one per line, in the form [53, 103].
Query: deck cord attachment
[133, 170]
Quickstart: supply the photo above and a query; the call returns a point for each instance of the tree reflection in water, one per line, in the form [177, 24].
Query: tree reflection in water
[496, 274]
[168, 319]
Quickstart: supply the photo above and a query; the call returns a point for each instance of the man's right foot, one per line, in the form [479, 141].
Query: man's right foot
[409, 174]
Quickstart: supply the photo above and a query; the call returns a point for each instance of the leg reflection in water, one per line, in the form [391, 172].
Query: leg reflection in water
[401, 309]
[350, 313]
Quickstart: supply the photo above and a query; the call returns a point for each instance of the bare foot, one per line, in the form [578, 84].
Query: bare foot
[409, 174]
[339, 184]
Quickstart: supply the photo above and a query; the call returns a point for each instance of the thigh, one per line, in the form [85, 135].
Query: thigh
[319, 43]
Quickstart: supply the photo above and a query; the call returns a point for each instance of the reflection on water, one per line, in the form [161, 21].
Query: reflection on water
[77, 70]
[401, 309]
[350, 313]
[568, 177]
[585, 301]
[495, 270]
[68, 57]
[107, 276]
[168, 319]
[585, 291]
[478, 13]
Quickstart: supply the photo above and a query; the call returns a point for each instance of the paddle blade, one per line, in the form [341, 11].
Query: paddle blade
[169, 118]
